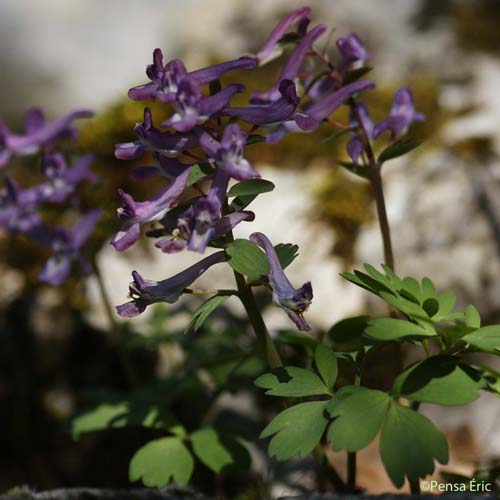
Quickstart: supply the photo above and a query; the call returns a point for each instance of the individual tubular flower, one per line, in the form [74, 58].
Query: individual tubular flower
[135, 213]
[207, 212]
[352, 50]
[146, 292]
[149, 138]
[294, 301]
[356, 145]
[228, 154]
[180, 230]
[18, 207]
[278, 111]
[66, 246]
[271, 48]
[165, 80]
[292, 66]
[192, 109]
[61, 179]
[310, 118]
[38, 133]
[402, 115]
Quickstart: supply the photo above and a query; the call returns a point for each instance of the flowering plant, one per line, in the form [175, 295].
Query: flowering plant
[329, 397]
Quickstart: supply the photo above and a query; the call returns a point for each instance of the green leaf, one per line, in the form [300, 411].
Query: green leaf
[486, 339]
[254, 139]
[204, 311]
[208, 447]
[113, 416]
[160, 461]
[326, 363]
[447, 302]
[439, 380]
[390, 329]
[292, 381]
[287, 253]
[347, 334]
[251, 187]
[409, 444]
[355, 169]
[297, 430]
[241, 202]
[356, 74]
[198, 172]
[358, 414]
[472, 317]
[247, 258]
[399, 148]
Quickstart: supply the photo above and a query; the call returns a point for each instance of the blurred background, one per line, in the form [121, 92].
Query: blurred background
[443, 203]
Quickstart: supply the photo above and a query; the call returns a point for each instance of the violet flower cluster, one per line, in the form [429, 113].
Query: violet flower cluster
[21, 207]
[204, 142]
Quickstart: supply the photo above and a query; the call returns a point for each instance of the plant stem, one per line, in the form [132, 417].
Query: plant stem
[374, 175]
[414, 486]
[351, 471]
[115, 329]
[274, 361]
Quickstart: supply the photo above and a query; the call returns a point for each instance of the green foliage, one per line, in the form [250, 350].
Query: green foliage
[198, 172]
[326, 364]
[291, 381]
[209, 449]
[251, 187]
[355, 169]
[390, 329]
[346, 335]
[204, 311]
[287, 253]
[409, 444]
[160, 461]
[359, 414]
[356, 74]
[486, 339]
[296, 430]
[398, 148]
[440, 380]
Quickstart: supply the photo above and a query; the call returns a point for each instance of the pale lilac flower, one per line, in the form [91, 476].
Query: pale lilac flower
[294, 301]
[146, 292]
[66, 246]
[356, 145]
[18, 207]
[38, 133]
[402, 115]
[135, 213]
[352, 50]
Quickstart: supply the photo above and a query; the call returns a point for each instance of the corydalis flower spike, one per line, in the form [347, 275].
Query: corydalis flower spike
[145, 292]
[402, 115]
[271, 48]
[294, 301]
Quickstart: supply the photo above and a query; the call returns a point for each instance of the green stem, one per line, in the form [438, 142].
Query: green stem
[351, 471]
[115, 330]
[414, 486]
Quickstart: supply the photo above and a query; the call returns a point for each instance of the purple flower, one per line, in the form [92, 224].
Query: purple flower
[38, 133]
[207, 212]
[181, 229]
[278, 111]
[192, 108]
[294, 301]
[145, 292]
[402, 115]
[291, 68]
[149, 138]
[356, 145]
[165, 80]
[18, 207]
[61, 179]
[327, 105]
[166, 167]
[134, 213]
[351, 50]
[228, 154]
[271, 48]
[66, 245]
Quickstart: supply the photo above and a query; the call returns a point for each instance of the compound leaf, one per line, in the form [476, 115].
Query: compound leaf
[208, 447]
[391, 329]
[204, 311]
[486, 339]
[326, 363]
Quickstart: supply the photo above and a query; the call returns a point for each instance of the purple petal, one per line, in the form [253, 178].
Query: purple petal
[270, 50]
[326, 106]
[131, 309]
[215, 103]
[34, 120]
[127, 236]
[56, 270]
[129, 150]
[83, 229]
[355, 148]
[211, 73]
